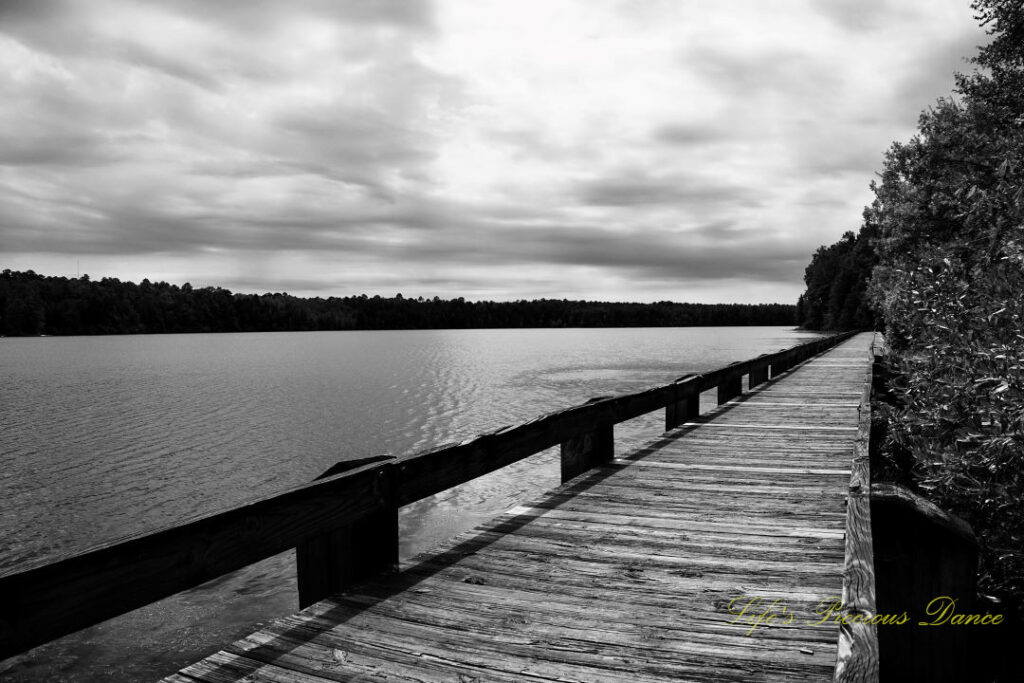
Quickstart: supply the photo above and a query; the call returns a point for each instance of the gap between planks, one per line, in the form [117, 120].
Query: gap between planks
[759, 426]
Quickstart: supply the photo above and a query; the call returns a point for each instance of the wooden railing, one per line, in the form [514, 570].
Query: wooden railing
[857, 659]
[343, 525]
[924, 559]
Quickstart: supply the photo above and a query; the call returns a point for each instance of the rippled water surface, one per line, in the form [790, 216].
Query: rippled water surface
[108, 436]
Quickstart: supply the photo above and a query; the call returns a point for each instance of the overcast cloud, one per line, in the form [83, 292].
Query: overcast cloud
[599, 149]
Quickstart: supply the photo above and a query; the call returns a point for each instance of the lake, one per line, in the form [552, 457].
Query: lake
[108, 436]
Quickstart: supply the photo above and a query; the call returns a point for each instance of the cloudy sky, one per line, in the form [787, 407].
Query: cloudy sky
[631, 150]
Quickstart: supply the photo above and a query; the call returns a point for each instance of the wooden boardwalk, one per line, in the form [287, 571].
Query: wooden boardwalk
[637, 570]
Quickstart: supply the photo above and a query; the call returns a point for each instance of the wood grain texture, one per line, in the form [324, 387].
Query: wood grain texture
[628, 572]
[858, 656]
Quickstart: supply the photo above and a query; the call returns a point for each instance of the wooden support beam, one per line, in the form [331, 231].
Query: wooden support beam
[790, 358]
[731, 385]
[685, 403]
[926, 561]
[858, 659]
[779, 364]
[758, 371]
[332, 561]
[586, 450]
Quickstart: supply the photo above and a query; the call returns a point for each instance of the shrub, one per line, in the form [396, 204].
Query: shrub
[961, 399]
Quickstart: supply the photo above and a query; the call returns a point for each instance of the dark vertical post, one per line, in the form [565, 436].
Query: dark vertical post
[731, 384]
[785, 362]
[925, 562]
[758, 371]
[587, 450]
[685, 403]
[333, 561]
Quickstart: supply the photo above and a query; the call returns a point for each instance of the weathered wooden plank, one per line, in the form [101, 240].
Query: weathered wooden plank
[710, 620]
[676, 524]
[801, 514]
[481, 656]
[718, 540]
[592, 636]
[858, 639]
[783, 427]
[654, 487]
[757, 458]
[577, 626]
[546, 614]
[684, 595]
[639, 465]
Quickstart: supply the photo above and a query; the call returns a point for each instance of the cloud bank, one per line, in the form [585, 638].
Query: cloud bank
[486, 149]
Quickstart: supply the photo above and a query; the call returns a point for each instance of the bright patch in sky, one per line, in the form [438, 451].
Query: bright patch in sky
[491, 149]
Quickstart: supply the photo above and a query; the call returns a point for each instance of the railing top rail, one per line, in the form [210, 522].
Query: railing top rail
[857, 659]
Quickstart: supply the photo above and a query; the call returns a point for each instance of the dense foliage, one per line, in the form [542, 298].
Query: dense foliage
[836, 280]
[32, 304]
[949, 284]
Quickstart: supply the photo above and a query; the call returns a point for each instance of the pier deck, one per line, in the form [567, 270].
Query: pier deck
[636, 570]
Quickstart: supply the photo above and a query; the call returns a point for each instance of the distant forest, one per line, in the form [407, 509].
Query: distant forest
[33, 304]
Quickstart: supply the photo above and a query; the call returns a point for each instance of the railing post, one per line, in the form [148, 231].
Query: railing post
[333, 561]
[783, 363]
[926, 562]
[777, 364]
[685, 403]
[588, 449]
[731, 385]
[758, 371]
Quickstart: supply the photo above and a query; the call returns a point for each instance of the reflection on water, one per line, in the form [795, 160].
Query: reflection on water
[108, 436]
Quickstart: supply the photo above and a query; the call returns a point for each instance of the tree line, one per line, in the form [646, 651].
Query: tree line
[938, 263]
[836, 280]
[34, 304]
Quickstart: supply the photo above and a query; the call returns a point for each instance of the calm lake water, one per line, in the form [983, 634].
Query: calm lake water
[108, 436]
